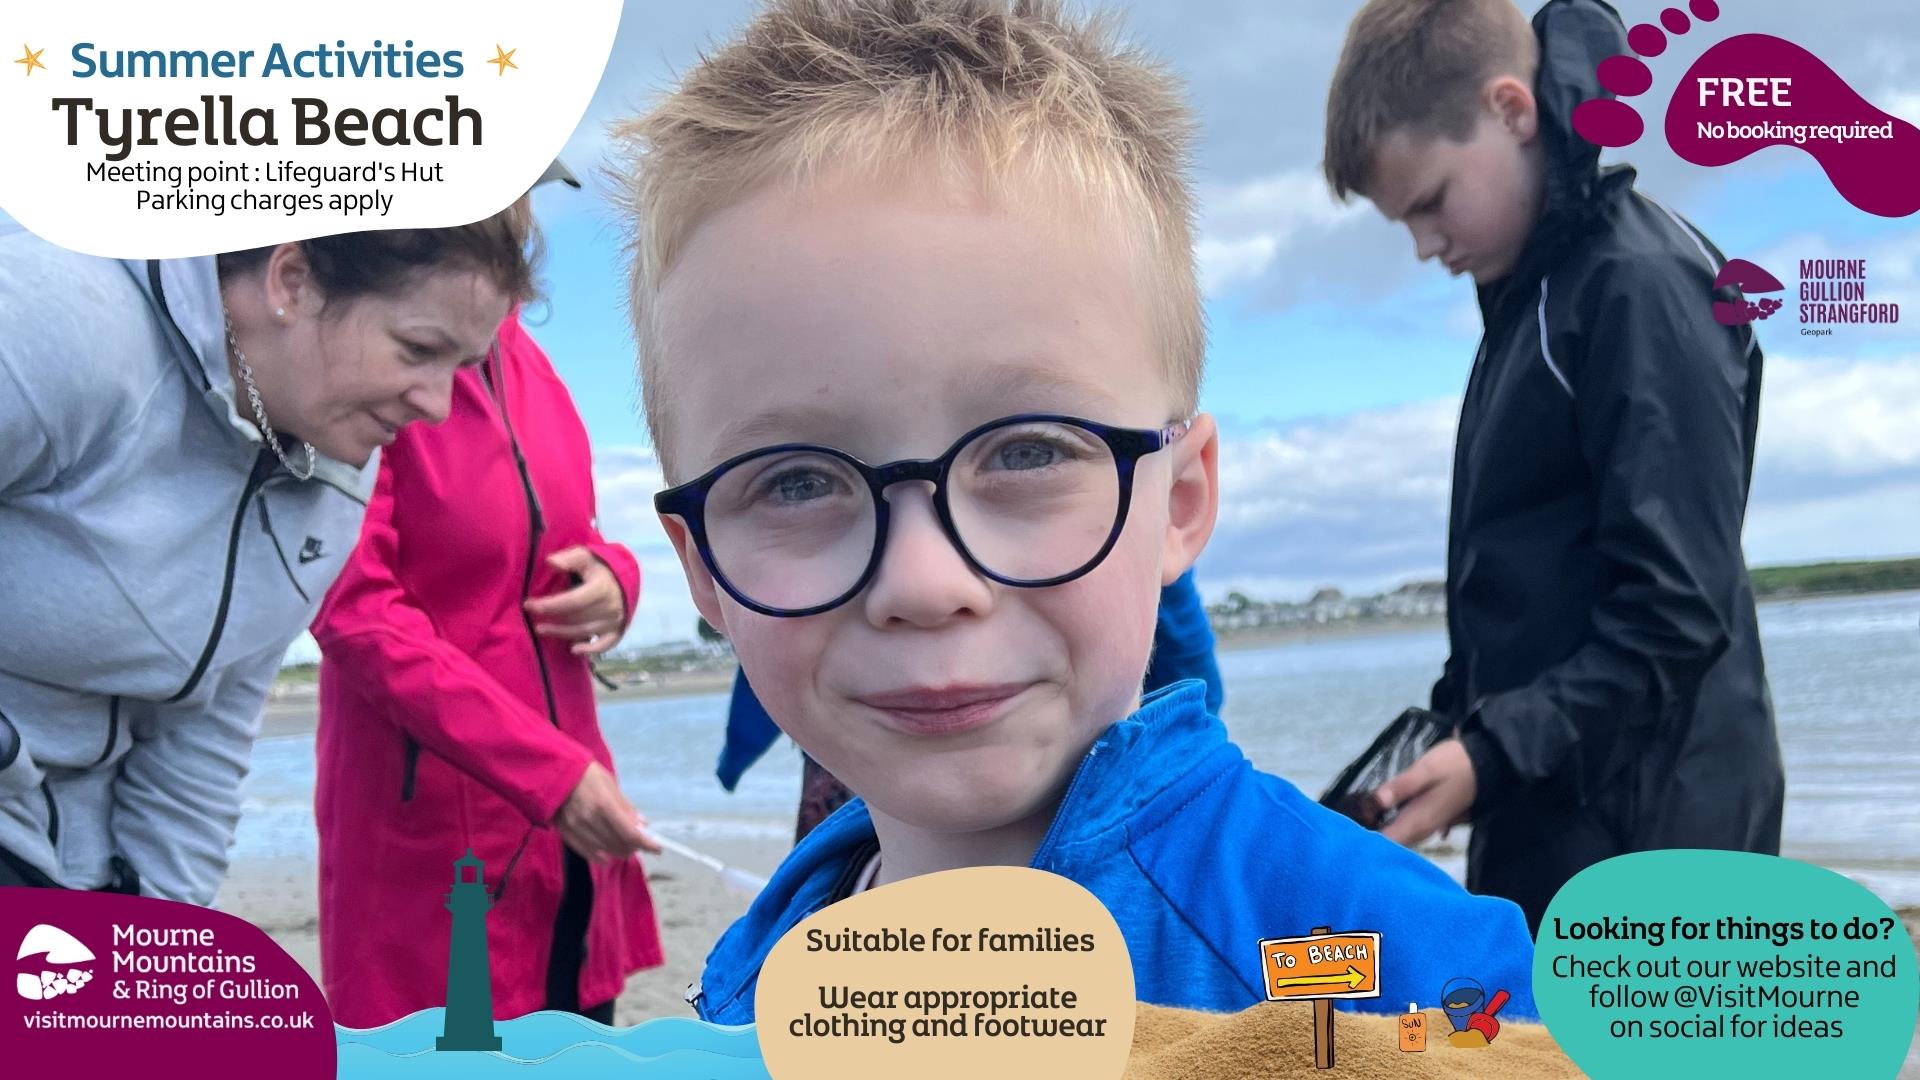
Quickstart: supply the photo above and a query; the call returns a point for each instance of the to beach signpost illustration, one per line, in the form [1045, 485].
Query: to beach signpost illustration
[1319, 967]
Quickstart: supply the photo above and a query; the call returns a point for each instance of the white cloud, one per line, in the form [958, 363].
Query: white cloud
[1361, 502]
[1223, 262]
[1829, 420]
[1245, 227]
[625, 479]
[1879, 522]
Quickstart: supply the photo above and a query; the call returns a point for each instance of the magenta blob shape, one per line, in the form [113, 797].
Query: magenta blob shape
[1605, 122]
[1704, 10]
[1874, 174]
[1675, 21]
[1647, 40]
[1625, 75]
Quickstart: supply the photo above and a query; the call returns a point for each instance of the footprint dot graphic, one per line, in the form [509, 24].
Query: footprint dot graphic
[1625, 75]
[1647, 39]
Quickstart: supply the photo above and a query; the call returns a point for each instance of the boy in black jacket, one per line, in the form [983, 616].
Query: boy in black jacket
[1605, 679]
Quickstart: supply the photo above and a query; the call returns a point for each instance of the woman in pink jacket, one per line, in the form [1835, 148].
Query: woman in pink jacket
[457, 714]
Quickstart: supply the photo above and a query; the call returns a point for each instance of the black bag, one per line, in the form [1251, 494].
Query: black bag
[1411, 734]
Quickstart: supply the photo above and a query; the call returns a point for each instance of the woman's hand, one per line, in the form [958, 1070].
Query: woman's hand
[1433, 795]
[599, 823]
[592, 614]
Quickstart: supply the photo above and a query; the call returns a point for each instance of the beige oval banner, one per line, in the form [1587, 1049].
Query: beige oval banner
[994, 970]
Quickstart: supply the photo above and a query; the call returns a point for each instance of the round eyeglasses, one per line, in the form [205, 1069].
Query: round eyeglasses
[1029, 501]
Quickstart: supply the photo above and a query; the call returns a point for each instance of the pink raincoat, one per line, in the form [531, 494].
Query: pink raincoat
[445, 725]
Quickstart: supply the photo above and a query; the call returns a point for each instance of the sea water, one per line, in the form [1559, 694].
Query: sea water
[1845, 675]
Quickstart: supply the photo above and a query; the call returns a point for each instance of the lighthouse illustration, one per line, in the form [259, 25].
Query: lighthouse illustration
[469, 1020]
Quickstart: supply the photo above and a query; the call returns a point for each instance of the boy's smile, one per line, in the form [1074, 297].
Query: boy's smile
[885, 320]
[946, 710]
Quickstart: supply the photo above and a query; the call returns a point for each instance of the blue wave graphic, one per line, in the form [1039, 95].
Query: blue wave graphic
[555, 1044]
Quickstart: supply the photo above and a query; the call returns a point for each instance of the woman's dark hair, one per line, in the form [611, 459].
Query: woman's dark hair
[504, 247]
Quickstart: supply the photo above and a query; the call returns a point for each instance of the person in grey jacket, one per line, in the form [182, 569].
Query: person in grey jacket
[186, 448]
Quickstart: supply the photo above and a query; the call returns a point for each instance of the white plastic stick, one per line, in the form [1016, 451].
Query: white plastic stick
[733, 878]
[683, 850]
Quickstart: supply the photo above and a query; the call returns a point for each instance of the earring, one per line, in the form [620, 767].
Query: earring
[279, 313]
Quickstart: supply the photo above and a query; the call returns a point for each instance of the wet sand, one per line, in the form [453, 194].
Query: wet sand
[293, 710]
[280, 897]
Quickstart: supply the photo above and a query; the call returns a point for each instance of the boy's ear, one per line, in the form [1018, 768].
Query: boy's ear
[1193, 501]
[706, 595]
[1512, 104]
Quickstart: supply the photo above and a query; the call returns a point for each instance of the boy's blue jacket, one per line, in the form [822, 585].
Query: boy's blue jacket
[1198, 856]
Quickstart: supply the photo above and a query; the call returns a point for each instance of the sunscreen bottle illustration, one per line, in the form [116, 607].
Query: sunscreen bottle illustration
[1413, 1029]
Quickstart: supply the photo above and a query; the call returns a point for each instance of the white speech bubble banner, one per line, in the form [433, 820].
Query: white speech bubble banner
[142, 130]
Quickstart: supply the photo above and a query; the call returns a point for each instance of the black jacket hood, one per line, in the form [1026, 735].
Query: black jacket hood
[1575, 35]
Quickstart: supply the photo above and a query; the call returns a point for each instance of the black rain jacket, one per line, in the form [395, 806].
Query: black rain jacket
[1605, 662]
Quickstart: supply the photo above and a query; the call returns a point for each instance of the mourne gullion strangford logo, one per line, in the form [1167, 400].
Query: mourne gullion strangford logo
[1832, 292]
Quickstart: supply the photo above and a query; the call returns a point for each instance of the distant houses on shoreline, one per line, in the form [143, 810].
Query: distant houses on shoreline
[1425, 600]
[1417, 600]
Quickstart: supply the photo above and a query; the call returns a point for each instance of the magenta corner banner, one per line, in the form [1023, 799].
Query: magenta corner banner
[1753, 91]
[101, 982]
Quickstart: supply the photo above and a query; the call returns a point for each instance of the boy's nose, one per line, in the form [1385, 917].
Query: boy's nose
[1427, 243]
[922, 580]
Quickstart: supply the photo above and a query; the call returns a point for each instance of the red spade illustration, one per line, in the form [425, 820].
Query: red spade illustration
[1483, 1021]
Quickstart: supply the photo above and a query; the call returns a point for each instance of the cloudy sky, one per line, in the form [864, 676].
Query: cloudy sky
[1336, 361]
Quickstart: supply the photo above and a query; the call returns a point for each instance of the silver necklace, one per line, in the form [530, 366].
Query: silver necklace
[260, 410]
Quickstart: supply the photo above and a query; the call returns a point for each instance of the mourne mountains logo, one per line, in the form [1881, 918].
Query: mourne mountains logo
[57, 948]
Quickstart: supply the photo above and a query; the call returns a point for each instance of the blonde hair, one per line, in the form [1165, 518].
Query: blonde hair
[1418, 65]
[999, 86]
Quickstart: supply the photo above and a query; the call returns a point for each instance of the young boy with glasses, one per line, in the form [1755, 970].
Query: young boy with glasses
[921, 342]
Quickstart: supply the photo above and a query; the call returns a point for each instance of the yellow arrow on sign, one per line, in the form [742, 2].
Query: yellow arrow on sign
[1353, 978]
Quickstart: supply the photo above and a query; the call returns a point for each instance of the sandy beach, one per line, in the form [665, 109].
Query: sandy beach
[280, 897]
[292, 710]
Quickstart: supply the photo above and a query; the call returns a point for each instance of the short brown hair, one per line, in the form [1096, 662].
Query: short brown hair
[504, 248]
[1417, 64]
[997, 85]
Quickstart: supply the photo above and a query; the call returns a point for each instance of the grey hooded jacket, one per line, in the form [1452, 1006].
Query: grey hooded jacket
[156, 561]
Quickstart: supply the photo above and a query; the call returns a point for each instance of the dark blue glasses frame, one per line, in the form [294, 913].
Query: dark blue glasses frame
[688, 501]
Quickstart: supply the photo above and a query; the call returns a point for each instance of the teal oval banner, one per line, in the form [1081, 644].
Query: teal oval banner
[1678, 963]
